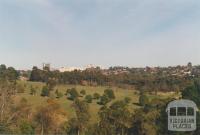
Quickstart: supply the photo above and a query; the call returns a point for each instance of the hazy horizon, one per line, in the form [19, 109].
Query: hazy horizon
[83, 67]
[108, 33]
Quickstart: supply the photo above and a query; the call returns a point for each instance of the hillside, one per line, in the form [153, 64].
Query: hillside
[37, 100]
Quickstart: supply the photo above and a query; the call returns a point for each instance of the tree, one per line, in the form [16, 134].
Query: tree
[105, 126]
[143, 123]
[115, 119]
[109, 93]
[18, 112]
[36, 74]
[14, 114]
[107, 97]
[127, 100]
[80, 123]
[2, 68]
[11, 74]
[88, 98]
[121, 116]
[51, 83]
[82, 92]
[72, 94]
[192, 92]
[47, 117]
[71, 127]
[143, 100]
[96, 96]
[104, 100]
[45, 91]
[3, 71]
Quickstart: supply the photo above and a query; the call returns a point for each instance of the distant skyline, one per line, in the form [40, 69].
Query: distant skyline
[134, 33]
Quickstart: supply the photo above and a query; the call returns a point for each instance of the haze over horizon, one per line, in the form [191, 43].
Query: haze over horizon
[134, 33]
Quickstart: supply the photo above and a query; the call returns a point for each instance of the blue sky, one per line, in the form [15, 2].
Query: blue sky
[102, 32]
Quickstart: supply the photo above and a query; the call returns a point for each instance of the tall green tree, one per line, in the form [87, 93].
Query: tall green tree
[80, 123]
[192, 92]
[115, 119]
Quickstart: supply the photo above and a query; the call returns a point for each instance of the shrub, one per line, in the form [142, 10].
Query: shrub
[45, 91]
[104, 100]
[72, 94]
[109, 93]
[127, 100]
[96, 96]
[82, 92]
[88, 98]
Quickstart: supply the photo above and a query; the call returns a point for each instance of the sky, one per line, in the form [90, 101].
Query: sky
[134, 33]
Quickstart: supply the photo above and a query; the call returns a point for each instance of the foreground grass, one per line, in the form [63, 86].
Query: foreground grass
[37, 100]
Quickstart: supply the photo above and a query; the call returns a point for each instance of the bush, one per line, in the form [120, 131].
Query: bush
[82, 92]
[104, 100]
[96, 96]
[88, 98]
[109, 93]
[127, 100]
[72, 94]
[45, 91]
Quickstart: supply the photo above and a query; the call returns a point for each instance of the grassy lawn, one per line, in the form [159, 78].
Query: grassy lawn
[36, 100]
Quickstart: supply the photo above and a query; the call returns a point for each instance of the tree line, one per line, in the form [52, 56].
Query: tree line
[139, 79]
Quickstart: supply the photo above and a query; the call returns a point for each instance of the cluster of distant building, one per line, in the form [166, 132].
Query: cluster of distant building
[70, 69]
[187, 70]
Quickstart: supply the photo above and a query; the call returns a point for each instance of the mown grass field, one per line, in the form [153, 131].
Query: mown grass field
[37, 100]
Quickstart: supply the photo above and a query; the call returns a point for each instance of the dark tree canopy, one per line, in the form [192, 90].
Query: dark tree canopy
[72, 94]
[192, 92]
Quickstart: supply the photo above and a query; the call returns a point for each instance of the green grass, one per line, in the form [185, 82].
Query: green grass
[36, 100]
